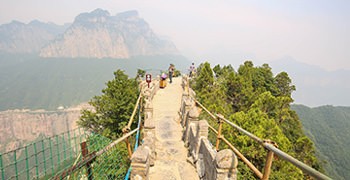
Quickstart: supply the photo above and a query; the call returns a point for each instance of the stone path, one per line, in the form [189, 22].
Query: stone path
[171, 154]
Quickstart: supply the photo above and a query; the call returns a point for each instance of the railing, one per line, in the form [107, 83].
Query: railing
[73, 155]
[267, 144]
[42, 158]
[109, 160]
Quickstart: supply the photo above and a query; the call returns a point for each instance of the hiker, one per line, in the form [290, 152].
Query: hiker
[171, 72]
[192, 70]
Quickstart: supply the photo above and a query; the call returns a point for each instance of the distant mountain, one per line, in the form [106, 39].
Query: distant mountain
[328, 127]
[36, 67]
[17, 37]
[98, 34]
[316, 86]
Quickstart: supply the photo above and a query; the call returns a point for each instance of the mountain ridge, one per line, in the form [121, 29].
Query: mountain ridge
[99, 35]
[327, 126]
[18, 37]
[315, 85]
[95, 34]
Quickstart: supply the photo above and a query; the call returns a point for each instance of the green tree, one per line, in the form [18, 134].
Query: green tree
[113, 108]
[205, 77]
[209, 92]
[141, 73]
[260, 103]
[283, 83]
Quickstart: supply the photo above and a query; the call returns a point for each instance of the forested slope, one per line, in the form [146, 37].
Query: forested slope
[258, 101]
[328, 127]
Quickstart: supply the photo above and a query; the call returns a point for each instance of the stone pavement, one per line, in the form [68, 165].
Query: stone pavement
[171, 154]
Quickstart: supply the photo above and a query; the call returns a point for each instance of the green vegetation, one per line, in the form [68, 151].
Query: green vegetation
[113, 108]
[328, 127]
[32, 82]
[259, 102]
[112, 111]
[112, 164]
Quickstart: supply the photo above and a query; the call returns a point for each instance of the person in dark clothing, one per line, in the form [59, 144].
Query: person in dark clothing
[171, 72]
[192, 70]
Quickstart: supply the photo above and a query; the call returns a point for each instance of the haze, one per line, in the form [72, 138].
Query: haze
[313, 31]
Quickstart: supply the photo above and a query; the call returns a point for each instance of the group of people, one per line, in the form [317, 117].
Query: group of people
[171, 71]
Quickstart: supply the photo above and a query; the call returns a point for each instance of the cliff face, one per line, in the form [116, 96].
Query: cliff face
[19, 127]
[98, 34]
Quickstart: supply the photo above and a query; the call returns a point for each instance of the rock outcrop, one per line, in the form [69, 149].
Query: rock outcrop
[19, 127]
[98, 35]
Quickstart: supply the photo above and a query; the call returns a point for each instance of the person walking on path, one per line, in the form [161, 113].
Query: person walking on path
[171, 72]
[192, 70]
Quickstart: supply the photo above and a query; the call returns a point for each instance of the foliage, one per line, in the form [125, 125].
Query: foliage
[141, 73]
[113, 108]
[259, 102]
[328, 127]
[112, 164]
[177, 73]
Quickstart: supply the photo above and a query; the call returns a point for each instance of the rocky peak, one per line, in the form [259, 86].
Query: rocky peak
[96, 16]
[97, 34]
[36, 23]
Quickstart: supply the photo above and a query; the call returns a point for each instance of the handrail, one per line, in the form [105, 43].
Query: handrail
[239, 154]
[205, 109]
[136, 140]
[116, 142]
[134, 111]
[252, 136]
[272, 149]
[307, 169]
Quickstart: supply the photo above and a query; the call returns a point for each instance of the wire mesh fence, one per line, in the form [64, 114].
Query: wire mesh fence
[43, 158]
[60, 157]
[112, 164]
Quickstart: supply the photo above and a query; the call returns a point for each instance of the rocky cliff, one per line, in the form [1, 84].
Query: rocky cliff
[17, 37]
[19, 127]
[98, 34]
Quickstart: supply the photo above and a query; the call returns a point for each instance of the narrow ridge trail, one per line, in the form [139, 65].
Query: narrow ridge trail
[171, 154]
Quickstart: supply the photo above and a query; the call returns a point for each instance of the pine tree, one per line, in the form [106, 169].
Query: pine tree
[260, 103]
[113, 108]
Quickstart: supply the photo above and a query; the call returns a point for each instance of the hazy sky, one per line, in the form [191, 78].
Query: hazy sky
[311, 31]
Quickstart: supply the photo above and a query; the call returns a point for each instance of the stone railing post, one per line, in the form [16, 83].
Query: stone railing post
[194, 143]
[140, 163]
[149, 142]
[187, 104]
[191, 120]
[226, 165]
[148, 109]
